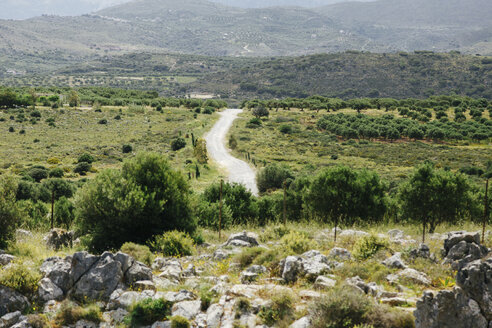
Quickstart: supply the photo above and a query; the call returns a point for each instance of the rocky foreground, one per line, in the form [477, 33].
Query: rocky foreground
[117, 281]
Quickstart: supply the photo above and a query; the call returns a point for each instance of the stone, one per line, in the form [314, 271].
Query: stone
[171, 270]
[463, 253]
[100, 281]
[304, 322]
[366, 288]
[120, 299]
[451, 309]
[58, 238]
[314, 264]
[182, 295]
[115, 317]
[456, 237]
[214, 315]
[323, 282]
[22, 324]
[309, 294]
[161, 324]
[58, 270]
[394, 262]
[11, 301]
[242, 239]
[10, 319]
[21, 234]
[6, 259]
[163, 283]
[187, 309]
[48, 291]
[292, 266]
[86, 324]
[221, 254]
[414, 276]
[340, 253]
[395, 234]
[423, 251]
[81, 263]
[252, 273]
[144, 285]
[137, 272]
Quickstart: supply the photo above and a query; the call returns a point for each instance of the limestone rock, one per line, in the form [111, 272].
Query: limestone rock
[57, 270]
[304, 322]
[340, 253]
[292, 266]
[10, 319]
[323, 282]
[187, 309]
[395, 262]
[242, 239]
[252, 273]
[48, 291]
[414, 276]
[6, 259]
[214, 315]
[11, 301]
[58, 238]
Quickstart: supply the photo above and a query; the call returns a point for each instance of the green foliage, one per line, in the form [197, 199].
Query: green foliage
[173, 243]
[56, 173]
[274, 233]
[434, 196]
[178, 143]
[272, 176]
[260, 111]
[286, 129]
[282, 308]
[247, 256]
[208, 215]
[59, 188]
[88, 158]
[240, 201]
[200, 151]
[343, 307]
[64, 212]
[73, 99]
[70, 313]
[297, 242]
[367, 246]
[343, 195]
[82, 168]
[143, 199]
[10, 214]
[21, 278]
[140, 253]
[126, 149]
[148, 311]
[38, 173]
[254, 123]
[180, 322]
[207, 297]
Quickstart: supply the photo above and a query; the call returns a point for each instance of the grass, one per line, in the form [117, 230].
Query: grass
[76, 131]
[307, 149]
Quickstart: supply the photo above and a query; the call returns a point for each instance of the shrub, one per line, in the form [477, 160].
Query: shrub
[274, 233]
[282, 308]
[254, 123]
[82, 168]
[127, 149]
[87, 158]
[343, 307]
[178, 143]
[70, 313]
[148, 311]
[207, 297]
[260, 111]
[208, 215]
[64, 212]
[173, 243]
[145, 198]
[21, 278]
[367, 246]
[285, 129]
[53, 160]
[103, 121]
[297, 242]
[38, 173]
[179, 322]
[247, 256]
[11, 129]
[56, 173]
[141, 253]
[10, 214]
[272, 176]
[38, 321]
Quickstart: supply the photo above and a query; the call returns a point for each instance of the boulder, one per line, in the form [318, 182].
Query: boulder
[182, 295]
[162, 324]
[221, 254]
[393, 301]
[11, 301]
[115, 317]
[304, 322]
[315, 264]
[323, 282]
[58, 238]
[366, 288]
[137, 272]
[6, 259]
[414, 276]
[171, 270]
[187, 309]
[214, 315]
[456, 237]
[340, 253]
[99, 282]
[252, 273]
[120, 299]
[394, 262]
[242, 239]
[48, 291]
[395, 234]
[58, 271]
[10, 319]
[292, 266]
[463, 253]
[81, 263]
[144, 285]
[423, 251]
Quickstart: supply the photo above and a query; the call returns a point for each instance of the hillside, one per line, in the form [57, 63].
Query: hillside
[200, 27]
[354, 74]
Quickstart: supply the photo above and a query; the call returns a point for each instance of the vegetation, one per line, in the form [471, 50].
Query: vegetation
[173, 243]
[140, 253]
[69, 313]
[21, 278]
[148, 311]
[9, 213]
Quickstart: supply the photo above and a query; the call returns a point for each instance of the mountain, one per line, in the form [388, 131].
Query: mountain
[202, 27]
[280, 3]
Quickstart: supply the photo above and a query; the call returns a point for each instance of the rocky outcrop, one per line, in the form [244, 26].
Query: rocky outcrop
[252, 273]
[6, 259]
[461, 248]
[11, 301]
[467, 305]
[242, 239]
[310, 265]
[58, 238]
[394, 262]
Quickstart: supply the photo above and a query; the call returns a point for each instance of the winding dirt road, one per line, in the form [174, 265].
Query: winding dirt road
[238, 170]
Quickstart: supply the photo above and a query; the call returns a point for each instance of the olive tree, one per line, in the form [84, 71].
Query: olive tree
[10, 214]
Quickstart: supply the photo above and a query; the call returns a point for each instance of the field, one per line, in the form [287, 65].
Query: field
[74, 132]
[307, 149]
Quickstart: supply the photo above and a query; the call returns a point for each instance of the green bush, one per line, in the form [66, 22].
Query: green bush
[254, 123]
[173, 243]
[140, 253]
[38, 321]
[87, 158]
[21, 278]
[367, 246]
[274, 233]
[64, 213]
[285, 129]
[126, 149]
[297, 242]
[38, 173]
[179, 322]
[178, 143]
[207, 297]
[281, 308]
[247, 256]
[208, 215]
[143, 199]
[10, 215]
[70, 313]
[56, 173]
[82, 168]
[148, 311]
[272, 176]
[343, 307]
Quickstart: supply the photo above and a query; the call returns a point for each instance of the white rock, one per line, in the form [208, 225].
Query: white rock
[187, 309]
